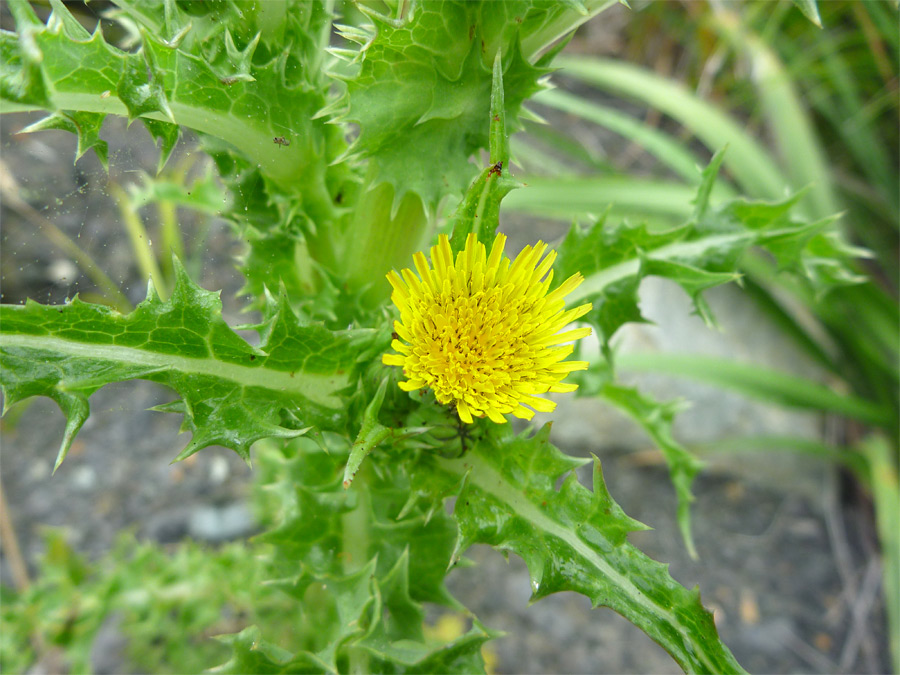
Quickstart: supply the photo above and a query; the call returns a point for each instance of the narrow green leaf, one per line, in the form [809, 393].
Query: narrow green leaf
[370, 434]
[499, 137]
[786, 115]
[537, 152]
[23, 13]
[752, 380]
[707, 183]
[847, 457]
[561, 19]
[842, 100]
[479, 210]
[747, 160]
[568, 197]
[886, 492]
[810, 10]
[71, 25]
[664, 147]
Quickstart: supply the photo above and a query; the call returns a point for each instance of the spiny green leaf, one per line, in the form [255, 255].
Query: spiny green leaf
[704, 252]
[424, 81]
[165, 135]
[619, 253]
[84, 125]
[252, 654]
[21, 79]
[163, 600]
[140, 86]
[55, 68]
[204, 193]
[232, 393]
[362, 561]
[573, 539]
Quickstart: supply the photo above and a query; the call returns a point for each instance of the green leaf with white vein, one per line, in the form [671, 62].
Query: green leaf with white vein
[231, 393]
[214, 69]
[703, 252]
[572, 539]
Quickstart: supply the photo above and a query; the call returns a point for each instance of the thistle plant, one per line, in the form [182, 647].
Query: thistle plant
[339, 165]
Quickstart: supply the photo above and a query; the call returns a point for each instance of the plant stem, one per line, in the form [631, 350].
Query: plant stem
[140, 241]
[382, 236]
[11, 548]
[355, 525]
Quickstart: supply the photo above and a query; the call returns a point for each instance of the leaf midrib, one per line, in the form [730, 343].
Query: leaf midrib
[317, 388]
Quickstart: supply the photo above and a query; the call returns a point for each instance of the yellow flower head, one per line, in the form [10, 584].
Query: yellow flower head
[484, 333]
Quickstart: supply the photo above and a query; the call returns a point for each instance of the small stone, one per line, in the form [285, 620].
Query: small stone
[62, 272]
[221, 523]
[84, 478]
[218, 470]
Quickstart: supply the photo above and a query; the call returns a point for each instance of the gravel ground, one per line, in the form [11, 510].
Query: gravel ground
[788, 559]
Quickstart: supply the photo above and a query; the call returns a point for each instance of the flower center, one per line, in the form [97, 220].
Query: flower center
[484, 333]
[472, 346]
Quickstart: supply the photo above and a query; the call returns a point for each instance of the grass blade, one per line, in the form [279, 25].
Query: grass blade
[747, 160]
[570, 197]
[800, 150]
[751, 380]
[662, 146]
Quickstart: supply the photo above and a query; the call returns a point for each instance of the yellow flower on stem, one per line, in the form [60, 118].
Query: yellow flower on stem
[484, 334]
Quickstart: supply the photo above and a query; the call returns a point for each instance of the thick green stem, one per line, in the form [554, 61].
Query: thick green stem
[381, 238]
[321, 210]
[356, 553]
